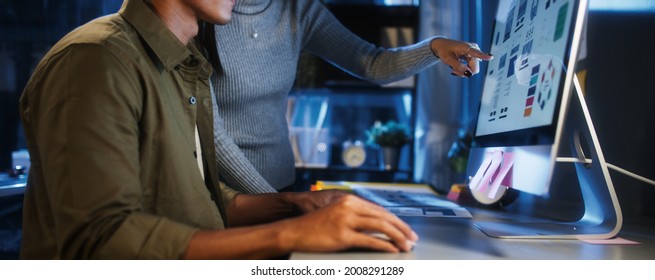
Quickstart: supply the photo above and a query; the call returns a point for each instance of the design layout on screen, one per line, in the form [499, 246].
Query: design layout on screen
[520, 90]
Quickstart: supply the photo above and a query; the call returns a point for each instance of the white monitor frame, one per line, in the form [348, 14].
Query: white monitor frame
[493, 170]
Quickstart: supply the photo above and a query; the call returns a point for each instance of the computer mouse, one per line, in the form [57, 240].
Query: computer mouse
[385, 237]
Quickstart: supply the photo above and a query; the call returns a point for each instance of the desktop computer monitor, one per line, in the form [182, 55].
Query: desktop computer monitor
[528, 109]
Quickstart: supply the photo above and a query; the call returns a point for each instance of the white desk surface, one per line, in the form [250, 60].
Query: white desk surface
[11, 186]
[459, 239]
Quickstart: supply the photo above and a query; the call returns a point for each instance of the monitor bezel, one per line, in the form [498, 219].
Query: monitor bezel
[602, 217]
[538, 135]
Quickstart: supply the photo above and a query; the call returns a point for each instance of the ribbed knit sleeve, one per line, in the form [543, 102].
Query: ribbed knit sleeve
[327, 38]
[234, 167]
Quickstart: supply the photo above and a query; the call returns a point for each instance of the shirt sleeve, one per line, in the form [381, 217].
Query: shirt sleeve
[87, 131]
[233, 165]
[227, 193]
[327, 38]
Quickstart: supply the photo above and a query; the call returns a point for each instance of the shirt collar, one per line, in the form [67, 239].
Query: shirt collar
[168, 49]
[250, 7]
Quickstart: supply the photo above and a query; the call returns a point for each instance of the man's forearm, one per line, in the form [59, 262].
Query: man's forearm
[257, 242]
[249, 209]
[335, 227]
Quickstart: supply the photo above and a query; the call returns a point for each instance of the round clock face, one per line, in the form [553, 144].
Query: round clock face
[353, 154]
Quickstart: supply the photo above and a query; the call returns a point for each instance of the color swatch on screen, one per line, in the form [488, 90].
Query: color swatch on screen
[534, 78]
[561, 21]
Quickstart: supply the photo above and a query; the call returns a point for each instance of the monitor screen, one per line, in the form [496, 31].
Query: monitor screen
[525, 94]
[528, 110]
[531, 42]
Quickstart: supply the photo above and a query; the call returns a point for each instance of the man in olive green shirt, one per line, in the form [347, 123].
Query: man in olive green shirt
[118, 119]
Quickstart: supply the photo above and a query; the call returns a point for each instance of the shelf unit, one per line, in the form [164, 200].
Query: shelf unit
[356, 104]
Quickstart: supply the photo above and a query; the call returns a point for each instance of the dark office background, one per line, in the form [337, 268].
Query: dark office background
[620, 95]
[28, 28]
[620, 90]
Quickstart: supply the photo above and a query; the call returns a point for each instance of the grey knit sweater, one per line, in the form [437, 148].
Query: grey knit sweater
[258, 53]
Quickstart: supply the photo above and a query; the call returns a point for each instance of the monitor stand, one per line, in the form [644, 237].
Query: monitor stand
[602, 218]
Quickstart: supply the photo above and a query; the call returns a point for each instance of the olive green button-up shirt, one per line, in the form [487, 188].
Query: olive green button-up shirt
[110, 116]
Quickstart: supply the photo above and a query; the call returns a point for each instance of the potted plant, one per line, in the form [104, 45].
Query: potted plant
[390, 137]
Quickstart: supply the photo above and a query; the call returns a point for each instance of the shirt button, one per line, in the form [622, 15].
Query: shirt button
[192, 100]
[194, 61]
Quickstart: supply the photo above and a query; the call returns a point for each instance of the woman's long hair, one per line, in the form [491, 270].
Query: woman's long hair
[206, 43]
